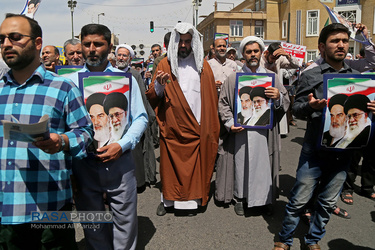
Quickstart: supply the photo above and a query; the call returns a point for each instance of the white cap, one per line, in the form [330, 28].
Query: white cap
[231, 48]
[131, 51]
[251, 39]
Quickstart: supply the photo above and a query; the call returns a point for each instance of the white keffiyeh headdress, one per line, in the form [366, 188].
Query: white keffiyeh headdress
[196, 45]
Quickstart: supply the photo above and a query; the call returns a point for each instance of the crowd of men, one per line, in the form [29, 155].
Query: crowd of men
[103, 145]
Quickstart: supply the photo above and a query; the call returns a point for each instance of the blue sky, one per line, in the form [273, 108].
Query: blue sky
[128, 19]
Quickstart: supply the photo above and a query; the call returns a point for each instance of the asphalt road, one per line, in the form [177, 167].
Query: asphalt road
[220, 228]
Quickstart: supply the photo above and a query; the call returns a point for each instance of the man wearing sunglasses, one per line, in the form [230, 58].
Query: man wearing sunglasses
[3, 66]
[37, 174]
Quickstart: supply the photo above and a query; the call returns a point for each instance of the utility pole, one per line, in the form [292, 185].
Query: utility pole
[100, 14]
[196, 4]
[72, 5]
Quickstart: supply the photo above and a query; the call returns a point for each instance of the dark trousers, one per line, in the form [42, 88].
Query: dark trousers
[367, 170]
[38, 236]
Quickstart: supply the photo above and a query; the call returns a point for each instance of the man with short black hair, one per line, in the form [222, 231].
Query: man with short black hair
[156, 51]
[315, 166]
[110, 169]
[37, 174]
[167, 37]
[221, 66]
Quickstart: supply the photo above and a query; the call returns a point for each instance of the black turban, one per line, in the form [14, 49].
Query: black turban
[245, 90]
[357, 101]
[337, 99]
[96, 98]
[258, 91]
[115, 99]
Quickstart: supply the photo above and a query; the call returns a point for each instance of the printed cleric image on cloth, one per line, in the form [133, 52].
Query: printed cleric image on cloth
[107, 100]
[347, 121]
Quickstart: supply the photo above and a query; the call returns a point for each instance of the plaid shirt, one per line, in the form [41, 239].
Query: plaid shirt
[30, 179]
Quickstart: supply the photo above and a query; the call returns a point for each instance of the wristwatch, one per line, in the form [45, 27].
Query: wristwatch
[62, 143]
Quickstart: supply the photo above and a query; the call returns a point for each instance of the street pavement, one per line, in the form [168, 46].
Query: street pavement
[220, 228]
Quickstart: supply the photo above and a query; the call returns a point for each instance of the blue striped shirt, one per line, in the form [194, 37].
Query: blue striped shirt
[30, 179]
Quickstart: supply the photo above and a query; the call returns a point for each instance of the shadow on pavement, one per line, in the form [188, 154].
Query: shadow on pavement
[146, 231]
[343, 244]
[286, 184]
[298, 140]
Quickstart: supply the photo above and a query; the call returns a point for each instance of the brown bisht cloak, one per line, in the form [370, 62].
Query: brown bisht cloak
[187, 149]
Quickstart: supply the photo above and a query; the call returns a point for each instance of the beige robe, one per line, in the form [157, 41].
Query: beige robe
[225, 165]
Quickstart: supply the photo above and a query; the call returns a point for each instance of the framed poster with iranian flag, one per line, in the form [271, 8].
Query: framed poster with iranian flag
[108, 100]
[347, 122]
[253, 109]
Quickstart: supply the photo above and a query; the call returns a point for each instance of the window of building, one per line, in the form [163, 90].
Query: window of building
[352, 13]
[262, 4]
[236, 28]
[311, 55]
[257, 6]
[258, 29]
[284, 31]
[312, 21]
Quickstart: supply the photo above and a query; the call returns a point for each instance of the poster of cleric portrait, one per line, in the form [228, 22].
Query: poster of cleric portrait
[107, 99]
[347, 122]
[253, 109]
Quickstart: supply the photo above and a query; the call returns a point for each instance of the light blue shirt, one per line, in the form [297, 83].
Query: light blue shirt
[138, 115]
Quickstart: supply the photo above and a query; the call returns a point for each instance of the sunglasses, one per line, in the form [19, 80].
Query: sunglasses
[13, 37]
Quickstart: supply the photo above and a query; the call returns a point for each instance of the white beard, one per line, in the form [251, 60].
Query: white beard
[337, 132]
[352, 133]
[116, 133]
[122, 65]
[102, 135]
[257, 114]
[246, 113]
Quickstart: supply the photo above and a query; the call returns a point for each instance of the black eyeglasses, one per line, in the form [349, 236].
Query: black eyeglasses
[13, 37]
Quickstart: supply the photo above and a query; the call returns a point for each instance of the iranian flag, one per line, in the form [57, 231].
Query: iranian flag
[350, 86]
[105, 84]
[254, 81]
[137, 61]
[221, 36]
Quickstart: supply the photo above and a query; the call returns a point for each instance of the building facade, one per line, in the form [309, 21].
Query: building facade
[294, 21]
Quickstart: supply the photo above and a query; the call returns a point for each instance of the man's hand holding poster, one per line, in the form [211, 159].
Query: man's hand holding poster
[107, 98]
[253, 108]
[347, 121]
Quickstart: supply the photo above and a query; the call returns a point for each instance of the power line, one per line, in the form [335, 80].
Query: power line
[133, 5]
